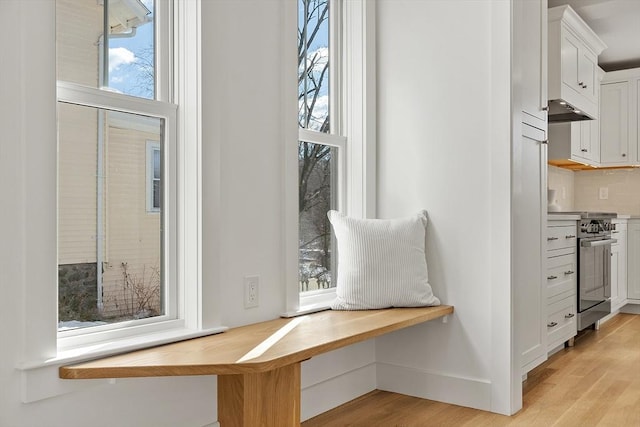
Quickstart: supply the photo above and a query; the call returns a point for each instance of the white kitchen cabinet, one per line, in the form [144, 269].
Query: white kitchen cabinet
[620, 96]
[578, 141]
[614, 124]
[561, 282]
[532, 25]
[633, 265]
[529, 186]
[573, 57]
[619, 265]
[529, 201]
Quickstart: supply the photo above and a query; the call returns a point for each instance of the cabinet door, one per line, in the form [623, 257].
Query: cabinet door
[587, 74]
[619, 263]
[615, 264]
[633, 264]
[614, 123]
[570, 57]
[533, 50]
[529, 229]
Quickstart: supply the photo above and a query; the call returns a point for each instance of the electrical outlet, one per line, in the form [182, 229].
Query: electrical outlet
[604, 193]
[251, 291]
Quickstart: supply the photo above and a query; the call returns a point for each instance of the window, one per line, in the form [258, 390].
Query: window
[125, 219]
[320, 143]
[336, 139]
[153, 176]
[112, 265]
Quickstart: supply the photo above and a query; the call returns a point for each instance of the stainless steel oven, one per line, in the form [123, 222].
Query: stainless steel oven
[594, 267]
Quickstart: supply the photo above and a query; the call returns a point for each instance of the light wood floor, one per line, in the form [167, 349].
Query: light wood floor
[595, 383]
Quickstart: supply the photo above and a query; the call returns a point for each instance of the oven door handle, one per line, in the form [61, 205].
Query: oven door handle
[594, 243]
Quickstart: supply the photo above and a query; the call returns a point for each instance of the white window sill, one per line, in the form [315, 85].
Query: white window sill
[40, 377]
[108, 348]
[312, 302]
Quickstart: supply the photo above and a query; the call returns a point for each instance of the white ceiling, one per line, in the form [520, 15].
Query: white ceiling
[617, 23]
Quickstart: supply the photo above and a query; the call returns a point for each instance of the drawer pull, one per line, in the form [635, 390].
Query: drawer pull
[569, 316]
[551, 238]
[569, 272]
[551, 277]
[552, 324]
[570, 236]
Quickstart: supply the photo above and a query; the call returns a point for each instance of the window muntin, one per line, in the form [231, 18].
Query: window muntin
[319, 146]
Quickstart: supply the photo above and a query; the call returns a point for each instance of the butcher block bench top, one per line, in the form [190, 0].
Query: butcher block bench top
[257, 348]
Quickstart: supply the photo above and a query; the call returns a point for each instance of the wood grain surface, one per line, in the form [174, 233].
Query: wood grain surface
[257, 348]
[594, 383]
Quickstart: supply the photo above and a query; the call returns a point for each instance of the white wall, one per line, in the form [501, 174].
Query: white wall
[443, 145]
[437, 149]
[244, 103]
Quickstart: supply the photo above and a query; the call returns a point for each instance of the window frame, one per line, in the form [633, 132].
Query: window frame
[43, 351]
[352, 108]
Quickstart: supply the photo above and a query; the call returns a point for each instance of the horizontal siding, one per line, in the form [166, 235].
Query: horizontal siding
[77, 166]
[133, 233]
[79, 25]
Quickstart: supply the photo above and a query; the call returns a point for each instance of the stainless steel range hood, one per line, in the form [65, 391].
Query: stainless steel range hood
[562, 111]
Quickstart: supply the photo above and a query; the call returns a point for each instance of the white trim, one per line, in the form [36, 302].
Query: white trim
[322, 138]
[38, 200]
[120, 345]
[439, 386]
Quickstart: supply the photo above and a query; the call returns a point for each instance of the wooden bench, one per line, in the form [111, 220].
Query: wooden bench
[258, 366]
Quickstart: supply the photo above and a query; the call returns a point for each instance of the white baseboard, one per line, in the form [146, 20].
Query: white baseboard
[326, 395]
[216, 424]
[631, 308]
[473, 393]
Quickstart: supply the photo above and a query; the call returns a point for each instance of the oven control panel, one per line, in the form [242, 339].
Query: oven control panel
[596, 226]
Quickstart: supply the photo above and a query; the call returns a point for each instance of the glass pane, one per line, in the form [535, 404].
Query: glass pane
[156, 164]
[313, 65]
[317, 187]
[156, 193]
[124, 61]
[109, 246]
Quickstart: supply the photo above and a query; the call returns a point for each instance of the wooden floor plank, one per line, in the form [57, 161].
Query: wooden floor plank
[594, 383]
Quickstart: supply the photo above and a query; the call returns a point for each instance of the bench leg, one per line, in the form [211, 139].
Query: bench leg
[268, 399]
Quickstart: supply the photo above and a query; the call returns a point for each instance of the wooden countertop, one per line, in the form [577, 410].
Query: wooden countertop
[257, 348]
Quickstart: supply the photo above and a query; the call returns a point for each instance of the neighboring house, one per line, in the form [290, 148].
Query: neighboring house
[109, 184]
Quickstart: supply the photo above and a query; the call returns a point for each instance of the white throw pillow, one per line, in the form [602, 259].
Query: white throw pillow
[381, 263]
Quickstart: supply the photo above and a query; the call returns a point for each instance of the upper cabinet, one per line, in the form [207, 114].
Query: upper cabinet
[614, 123]
[573, 66]
[578, 141]
[531, 20]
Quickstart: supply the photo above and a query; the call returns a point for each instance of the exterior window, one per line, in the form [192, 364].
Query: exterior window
[320, 144]
[153, 176]
[116, 139]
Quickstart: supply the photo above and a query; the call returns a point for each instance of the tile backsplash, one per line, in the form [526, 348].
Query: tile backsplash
[609, 190]
[562, 180]
[612, 190]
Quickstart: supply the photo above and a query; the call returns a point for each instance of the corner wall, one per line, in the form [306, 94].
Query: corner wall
[443, 145]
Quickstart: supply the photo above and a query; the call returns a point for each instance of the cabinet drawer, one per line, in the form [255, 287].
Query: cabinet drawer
[562, 280]
[561, 237]
[561, 321]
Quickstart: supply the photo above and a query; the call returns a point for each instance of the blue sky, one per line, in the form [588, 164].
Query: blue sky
[126, 57]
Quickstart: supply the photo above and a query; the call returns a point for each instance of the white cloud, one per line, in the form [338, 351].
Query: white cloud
[120, 56]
